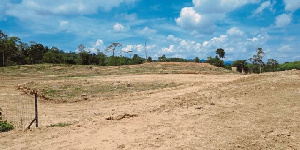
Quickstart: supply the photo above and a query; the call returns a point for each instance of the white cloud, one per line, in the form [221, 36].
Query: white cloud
[220, 6]
[173, 38]
[257, 38]
[183, 43]
[98, 45]
[3, 8]
[292, 5]
[65, 7]
[234, 31]
[133, 48]
[189, 17]
[146, 31]
[283, 20]
[263, 6]
[64, 23]
[205, 13]
[285, 48]
[170, 49]
[120, 28]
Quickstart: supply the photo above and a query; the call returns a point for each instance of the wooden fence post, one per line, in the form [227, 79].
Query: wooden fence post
[36, 111]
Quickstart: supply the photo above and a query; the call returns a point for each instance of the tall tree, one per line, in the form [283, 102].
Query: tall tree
[112, 47]
[272, 65]
[84, 55]
[257, 60]
[197, 59]
[3, 39]
[220, 52]
[36, 52]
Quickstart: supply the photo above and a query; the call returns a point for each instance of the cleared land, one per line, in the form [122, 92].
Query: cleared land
[156, 106]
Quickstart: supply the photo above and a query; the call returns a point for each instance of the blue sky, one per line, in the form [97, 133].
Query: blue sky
[176, 28]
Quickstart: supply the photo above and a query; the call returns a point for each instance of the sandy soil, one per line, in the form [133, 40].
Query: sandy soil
[204, 112]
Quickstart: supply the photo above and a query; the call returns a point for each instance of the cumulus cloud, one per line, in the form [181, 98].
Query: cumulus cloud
[189, 17]
[98, 45]
[206, 13]
[120, 28]
[180, 47]
[283, 20]
[215, 40]
[292, 5]
[133, 48]
[169, 49]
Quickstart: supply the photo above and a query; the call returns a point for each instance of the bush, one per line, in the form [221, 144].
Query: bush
[216, 62]
[289, 66]
[4, 126]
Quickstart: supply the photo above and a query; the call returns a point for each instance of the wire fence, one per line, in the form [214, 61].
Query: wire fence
[18, 110]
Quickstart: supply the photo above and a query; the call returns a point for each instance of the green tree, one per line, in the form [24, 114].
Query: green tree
[241, 66]
[220, 52]
[36, 52]
[272, 65]
[3, 40]
[163, 58]
[197, 60]
[136, 59]
[70, 58]
[257, 61]
[215, 61]
[102, 58]
[53, 55]
[149, 59]
[84, 56]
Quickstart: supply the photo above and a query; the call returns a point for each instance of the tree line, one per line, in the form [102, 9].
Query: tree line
[255, 64]
[15, 52]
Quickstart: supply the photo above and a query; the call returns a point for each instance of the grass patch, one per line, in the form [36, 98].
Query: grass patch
[60, 125]
[70, 91]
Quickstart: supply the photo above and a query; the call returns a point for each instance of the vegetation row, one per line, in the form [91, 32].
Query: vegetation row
[16, 52]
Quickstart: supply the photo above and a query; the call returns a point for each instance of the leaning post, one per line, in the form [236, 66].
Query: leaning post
[36, 111]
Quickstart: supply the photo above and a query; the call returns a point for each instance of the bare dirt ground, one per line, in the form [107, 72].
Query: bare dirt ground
[194, 109]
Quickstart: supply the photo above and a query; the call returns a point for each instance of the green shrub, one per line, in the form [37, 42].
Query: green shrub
[4, 126]
[216, 61]
[289, 66]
